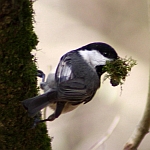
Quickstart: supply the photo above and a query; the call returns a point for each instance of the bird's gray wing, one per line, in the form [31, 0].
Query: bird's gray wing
[73, 90]
[64, 70]
[69, 87]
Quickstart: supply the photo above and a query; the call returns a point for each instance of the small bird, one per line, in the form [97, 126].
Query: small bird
[75, 81]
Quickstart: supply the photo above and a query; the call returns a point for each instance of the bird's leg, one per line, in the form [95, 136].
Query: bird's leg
[41, 75]
[56, 114]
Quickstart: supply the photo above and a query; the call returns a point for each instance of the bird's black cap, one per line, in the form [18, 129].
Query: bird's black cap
[105, 49]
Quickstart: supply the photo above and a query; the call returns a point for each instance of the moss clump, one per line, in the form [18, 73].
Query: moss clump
[118, 70]
[18, 78]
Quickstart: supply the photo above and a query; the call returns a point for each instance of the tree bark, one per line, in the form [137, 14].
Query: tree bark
[18, 78]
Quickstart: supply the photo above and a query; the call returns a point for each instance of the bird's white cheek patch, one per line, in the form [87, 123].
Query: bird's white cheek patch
[93, 57]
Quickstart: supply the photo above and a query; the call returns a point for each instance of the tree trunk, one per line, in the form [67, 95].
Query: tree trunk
[18, 78]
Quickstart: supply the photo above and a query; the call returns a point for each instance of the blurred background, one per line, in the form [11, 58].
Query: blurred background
[64, 25]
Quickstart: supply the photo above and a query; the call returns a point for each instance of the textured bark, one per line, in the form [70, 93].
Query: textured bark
[18, 78]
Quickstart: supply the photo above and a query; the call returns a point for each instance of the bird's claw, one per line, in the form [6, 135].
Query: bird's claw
[38, 120]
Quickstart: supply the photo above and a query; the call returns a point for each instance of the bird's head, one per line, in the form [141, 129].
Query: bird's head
[97, 54]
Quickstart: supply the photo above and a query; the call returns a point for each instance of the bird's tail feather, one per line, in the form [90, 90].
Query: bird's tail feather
[35, 104]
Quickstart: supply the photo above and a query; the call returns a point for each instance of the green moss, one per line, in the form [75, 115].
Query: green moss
[118, 70]
[18, 78]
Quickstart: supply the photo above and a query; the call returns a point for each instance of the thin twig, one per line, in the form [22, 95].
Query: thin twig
[107, 134]
[142, 129]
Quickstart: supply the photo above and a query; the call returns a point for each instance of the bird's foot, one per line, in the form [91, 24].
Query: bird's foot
[38, 120]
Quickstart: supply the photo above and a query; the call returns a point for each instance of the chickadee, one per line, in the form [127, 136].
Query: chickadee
[48, 86]
[75, 81]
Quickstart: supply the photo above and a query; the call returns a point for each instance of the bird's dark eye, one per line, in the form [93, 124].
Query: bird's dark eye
[105, 54]
[110, 55]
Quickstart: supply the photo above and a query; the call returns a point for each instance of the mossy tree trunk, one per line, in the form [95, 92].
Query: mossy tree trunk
[18, 78]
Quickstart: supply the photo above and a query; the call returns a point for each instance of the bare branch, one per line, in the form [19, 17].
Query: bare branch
[142, 129]
[107, 134]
